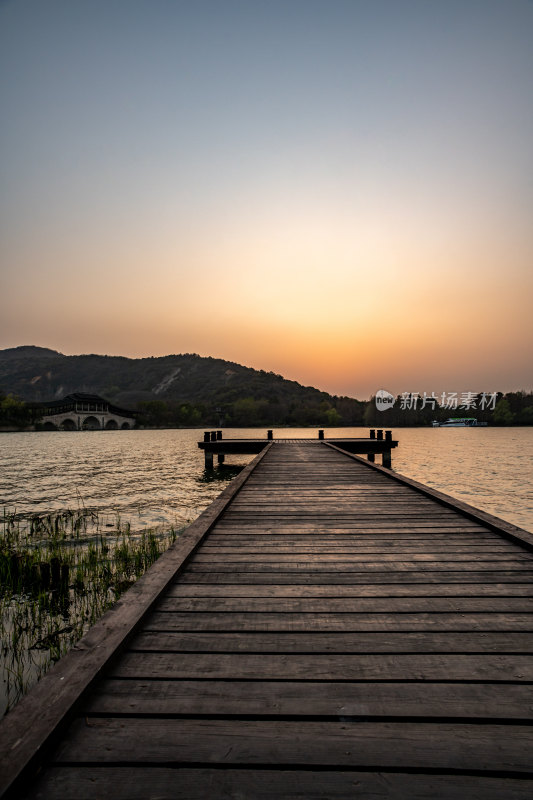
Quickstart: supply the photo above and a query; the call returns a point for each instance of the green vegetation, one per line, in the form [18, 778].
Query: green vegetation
[59, 573]
[249, 411]
[513, 408]
[13, 412]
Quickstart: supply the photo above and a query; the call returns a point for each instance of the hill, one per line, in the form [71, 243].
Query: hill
[177, 389]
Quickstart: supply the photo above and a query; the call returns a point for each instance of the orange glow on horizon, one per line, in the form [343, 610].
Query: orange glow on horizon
[352, 214]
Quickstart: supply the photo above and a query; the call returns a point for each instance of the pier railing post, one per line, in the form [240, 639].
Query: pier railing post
[320, 434]
[219, 435]
[372, 433]
[380, 434]
[269, 435]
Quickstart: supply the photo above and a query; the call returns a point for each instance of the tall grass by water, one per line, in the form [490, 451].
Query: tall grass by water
[59, 572]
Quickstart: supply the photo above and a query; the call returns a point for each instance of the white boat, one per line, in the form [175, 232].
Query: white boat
[459, 422]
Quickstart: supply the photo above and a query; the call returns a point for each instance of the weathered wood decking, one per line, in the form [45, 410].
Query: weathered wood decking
[337, 632]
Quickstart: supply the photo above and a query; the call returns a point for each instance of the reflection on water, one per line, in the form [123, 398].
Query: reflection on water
[223, 472]
[157, 477]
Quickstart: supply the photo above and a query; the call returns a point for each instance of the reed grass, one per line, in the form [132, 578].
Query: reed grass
[59, 572]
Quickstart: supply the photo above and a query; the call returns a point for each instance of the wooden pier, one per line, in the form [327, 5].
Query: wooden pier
[325, 629]
[377, 443]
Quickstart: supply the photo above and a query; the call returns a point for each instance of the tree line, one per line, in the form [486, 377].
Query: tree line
[512, 408]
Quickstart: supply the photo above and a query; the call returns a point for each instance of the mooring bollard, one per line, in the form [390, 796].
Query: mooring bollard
[269, 435]
[320, 434]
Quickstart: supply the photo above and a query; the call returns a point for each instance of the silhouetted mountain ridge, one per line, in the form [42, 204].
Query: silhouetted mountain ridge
[38, 374]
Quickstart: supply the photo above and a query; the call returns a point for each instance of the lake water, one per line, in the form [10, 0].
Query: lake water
[156, 477]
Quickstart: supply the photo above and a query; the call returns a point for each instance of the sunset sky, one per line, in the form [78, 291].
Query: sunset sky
[340, 191]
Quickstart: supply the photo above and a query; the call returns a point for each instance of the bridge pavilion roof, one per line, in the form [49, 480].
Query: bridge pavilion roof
[82, 397]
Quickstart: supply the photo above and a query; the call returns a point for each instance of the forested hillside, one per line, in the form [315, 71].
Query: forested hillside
[175, 390]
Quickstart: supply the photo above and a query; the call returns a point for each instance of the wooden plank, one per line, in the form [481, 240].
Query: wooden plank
[490, 667]
[345, 508]
[187, 621]
[134, 782]
[333, 516]
[181, 589]
[337, 565]
[336, 546]
[354, 578]
[344, 642]
[325, 559]
[312, 699]
[406, 745]
[321, 502]
[354, 528]
[355, 543]
[345, 605]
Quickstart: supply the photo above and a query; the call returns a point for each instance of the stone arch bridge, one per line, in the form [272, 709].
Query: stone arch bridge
[82, 412]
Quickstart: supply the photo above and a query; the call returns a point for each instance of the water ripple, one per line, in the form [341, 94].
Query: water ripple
[157, 477]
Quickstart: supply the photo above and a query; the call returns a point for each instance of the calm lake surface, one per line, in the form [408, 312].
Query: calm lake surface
[152, 478]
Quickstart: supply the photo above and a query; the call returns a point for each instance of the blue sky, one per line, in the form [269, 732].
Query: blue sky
[338, 191]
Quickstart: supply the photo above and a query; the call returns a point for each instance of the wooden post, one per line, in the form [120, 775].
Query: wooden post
[321, 434]
[15, 567]
[269, 435]
[207, 436]
[386, 459]
[55, 570]
[208, 459]
[219, 435]
[371, 457]
[45, 574]
[388, 436]
[380, 434]
[220, 458]
[213, 436]
[372, 433]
